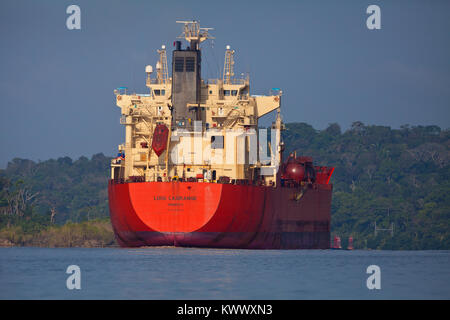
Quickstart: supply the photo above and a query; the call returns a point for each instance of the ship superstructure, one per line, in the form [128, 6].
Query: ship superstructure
[186, 103]
[195, 169]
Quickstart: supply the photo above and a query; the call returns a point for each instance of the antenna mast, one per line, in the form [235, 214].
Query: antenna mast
[162, 72]
[228, 68]
[194, 34]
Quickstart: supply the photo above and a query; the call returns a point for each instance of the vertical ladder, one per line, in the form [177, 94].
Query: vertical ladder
[228, 68]
[162, 72]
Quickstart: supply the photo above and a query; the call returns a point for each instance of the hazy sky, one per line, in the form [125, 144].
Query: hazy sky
[57, 84]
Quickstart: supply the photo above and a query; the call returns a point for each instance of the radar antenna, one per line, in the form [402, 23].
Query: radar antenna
[194, 34]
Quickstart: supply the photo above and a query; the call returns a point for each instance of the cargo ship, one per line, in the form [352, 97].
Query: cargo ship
[196, 170]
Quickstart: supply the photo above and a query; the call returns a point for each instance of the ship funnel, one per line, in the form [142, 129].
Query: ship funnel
[186, 74]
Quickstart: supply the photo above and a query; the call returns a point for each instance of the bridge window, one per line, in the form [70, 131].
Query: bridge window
[179, 64]
[159, 92]
[190, 64]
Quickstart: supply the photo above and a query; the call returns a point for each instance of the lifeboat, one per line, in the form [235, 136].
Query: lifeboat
[159, 142]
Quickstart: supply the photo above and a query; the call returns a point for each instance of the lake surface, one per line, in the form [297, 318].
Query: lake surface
[188, 273]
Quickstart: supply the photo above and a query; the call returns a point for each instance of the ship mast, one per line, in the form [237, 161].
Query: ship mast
[194, 34]
[228, 69]
[162, 73]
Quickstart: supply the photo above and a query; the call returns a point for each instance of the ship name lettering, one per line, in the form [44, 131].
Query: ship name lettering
[182, 198]
[175, 198]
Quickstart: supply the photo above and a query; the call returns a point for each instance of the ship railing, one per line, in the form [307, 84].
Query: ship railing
[236, 81]
[118, 180]
[156, 81]
[221, 180]
[117, 162]
[239, 182]
[230, 81]
[137, 178]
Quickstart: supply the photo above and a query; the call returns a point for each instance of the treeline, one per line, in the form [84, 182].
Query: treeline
[63, 189]
[55, 203]
[383, 176]
[388, 177]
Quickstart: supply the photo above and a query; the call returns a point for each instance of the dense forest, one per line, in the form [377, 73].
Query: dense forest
[383, 176]
[55, 202]
[394, 179]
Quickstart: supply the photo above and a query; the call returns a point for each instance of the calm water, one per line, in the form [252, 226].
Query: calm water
[178, 273]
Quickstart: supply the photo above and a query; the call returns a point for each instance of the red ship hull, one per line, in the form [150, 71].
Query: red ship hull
[193, 214]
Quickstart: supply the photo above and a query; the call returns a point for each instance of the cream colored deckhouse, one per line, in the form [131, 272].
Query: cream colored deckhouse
[211, 124]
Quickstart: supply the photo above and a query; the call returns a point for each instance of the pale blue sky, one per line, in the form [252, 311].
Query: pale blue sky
[57, 85]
